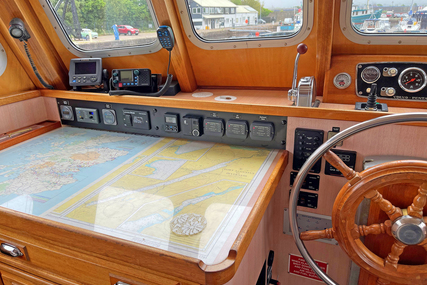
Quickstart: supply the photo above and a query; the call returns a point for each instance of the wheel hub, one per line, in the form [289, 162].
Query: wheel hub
[409, 230]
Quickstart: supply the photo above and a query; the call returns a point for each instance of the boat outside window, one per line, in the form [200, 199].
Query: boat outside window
[97, 25]
[389, 17]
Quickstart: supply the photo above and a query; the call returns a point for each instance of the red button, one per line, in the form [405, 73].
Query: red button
[120, 84]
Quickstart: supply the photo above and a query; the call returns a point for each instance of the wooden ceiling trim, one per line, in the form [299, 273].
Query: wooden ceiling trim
[44, 54]
[166, 12]
[325, 23]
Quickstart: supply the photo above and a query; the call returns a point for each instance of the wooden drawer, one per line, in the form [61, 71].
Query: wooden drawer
[68, 267]
[12, 276]
[146, 280]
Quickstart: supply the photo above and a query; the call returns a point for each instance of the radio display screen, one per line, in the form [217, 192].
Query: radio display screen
[126, 76]
[85, 67]
[170, 120]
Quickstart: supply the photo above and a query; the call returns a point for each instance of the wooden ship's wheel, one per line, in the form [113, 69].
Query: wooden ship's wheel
[407, 227]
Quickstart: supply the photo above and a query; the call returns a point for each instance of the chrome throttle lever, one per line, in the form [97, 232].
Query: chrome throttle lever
[305, 94]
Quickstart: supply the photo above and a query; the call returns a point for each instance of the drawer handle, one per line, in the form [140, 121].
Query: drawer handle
[10, 250]
[121, 283]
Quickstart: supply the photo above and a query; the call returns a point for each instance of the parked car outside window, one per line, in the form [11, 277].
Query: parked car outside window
[86, 32]
[127, 30]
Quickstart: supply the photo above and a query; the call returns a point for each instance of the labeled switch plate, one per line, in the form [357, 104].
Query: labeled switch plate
[86, 115]
[309, 222]
[311, 181]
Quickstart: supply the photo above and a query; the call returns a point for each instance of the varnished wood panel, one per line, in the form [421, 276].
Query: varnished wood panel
[46, 127]
[17, 97]
[15, 78]
[348, 63]
[256, 67]
[45, 57]
[20, 114]
[326, 26]
[51, 109]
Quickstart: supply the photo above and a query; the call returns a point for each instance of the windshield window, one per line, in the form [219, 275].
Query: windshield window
[243, 19]
[105, 24]
[389, 17]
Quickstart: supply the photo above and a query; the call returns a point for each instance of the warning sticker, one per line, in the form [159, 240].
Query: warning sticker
[298, 266]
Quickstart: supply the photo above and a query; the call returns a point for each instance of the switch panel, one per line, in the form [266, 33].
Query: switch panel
[136, 119]
[347, 156]
[307, 199]
[214, 127]
[171, 123]
[237, 129]
[262, 131]
[192, 125]
[252, 130]
[86, 115]
[305, 143]
[311, 182]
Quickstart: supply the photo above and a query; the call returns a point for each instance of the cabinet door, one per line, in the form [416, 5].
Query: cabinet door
[22, 279]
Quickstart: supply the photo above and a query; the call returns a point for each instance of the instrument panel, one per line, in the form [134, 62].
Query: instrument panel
[395, 80]
[222, 127]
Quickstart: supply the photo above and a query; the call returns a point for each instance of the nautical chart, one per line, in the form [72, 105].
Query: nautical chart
[133, 186]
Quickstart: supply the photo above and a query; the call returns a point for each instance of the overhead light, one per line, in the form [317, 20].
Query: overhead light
[17, 30]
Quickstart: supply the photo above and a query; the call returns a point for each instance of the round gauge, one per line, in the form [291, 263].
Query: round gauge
[370, 74]
[342, 80]
[412, 79]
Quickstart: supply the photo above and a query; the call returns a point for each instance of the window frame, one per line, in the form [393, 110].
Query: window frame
[374, 39]
[105, 53]
[192, 35]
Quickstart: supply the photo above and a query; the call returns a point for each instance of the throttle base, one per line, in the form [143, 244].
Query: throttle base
[380, 107]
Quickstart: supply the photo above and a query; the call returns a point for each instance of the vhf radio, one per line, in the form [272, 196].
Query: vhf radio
[141, 82]
[136, 79]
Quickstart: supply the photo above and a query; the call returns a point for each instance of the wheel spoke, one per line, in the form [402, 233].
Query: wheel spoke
[313, 235]
[393, 257]
[375, 229]
[336, 162]
[385, 205]
[416, 209]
